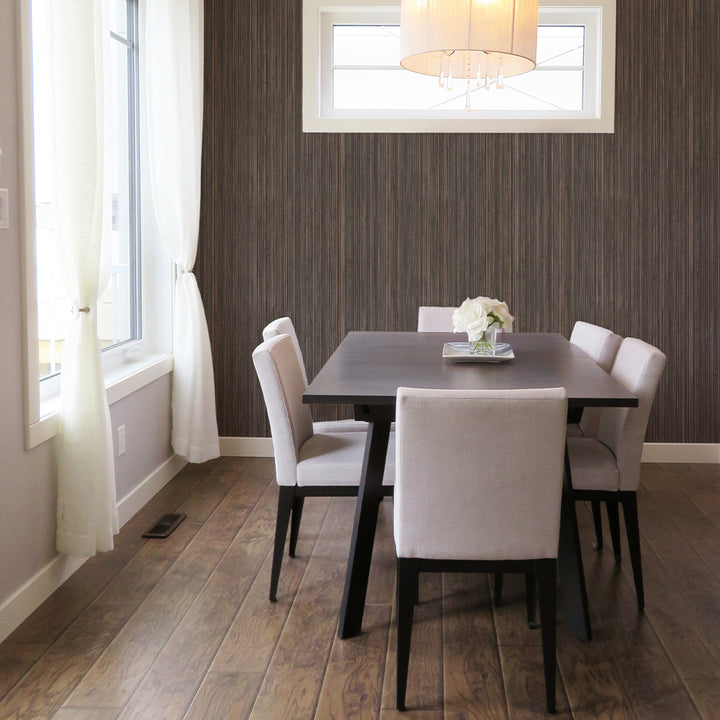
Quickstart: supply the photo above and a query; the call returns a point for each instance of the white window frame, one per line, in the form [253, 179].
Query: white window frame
[318, 116]
[133, 364]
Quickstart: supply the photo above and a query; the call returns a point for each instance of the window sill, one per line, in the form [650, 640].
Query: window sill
[121, 383]
[476, 124]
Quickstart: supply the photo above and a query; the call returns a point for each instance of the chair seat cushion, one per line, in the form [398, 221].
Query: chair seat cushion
[339, 426]
[592, 465]
[337, 458]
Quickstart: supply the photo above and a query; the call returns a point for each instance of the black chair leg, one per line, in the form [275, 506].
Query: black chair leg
[497, 588]
[407, 581]
[597, 519]
[630, 513]
[614, 522]
[577, 615]
[530, 584]
[285, 505]
[295, 518]
[546, 571]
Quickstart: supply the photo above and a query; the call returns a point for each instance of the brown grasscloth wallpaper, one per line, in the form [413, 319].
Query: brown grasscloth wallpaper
[354, 231]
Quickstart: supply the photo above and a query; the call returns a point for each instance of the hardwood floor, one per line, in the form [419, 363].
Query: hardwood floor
[182, 627]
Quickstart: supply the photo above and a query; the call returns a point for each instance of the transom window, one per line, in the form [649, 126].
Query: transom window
[354, 82]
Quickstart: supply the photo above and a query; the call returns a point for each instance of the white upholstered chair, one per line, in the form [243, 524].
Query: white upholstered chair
[463, 503]
[439, 319]
[435, 319]
[284, 326]
[607, 468]
[601, 345]
[307, 463]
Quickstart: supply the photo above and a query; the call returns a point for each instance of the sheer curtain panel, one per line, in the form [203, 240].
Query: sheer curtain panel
[174, 77]
[86, 508]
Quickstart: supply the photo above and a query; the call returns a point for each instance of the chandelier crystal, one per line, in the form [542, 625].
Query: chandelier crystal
[483, 41]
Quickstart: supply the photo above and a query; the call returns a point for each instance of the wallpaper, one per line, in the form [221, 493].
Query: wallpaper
[354, 231]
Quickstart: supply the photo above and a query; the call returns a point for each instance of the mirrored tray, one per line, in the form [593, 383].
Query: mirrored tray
[459, 352]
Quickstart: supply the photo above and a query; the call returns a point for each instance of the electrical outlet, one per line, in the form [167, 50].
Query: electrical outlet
[121, 440]
[4, 209]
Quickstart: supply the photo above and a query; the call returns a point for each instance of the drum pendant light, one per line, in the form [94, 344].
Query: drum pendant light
[480, 40]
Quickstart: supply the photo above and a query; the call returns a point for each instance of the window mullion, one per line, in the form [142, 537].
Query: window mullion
[135, 265]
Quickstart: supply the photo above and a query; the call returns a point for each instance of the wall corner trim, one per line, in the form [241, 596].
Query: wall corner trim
[26, 599]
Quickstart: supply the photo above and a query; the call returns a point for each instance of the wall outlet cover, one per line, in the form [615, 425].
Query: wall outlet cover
[4, 209]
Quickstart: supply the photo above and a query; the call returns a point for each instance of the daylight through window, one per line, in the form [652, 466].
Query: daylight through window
[119, 305]
[364, 76]
[354, 82]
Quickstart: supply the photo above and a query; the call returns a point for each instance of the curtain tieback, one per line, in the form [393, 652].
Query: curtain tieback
[77, 309]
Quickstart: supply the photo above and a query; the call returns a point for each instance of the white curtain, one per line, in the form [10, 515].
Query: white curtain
[86, 508]
[173, 45]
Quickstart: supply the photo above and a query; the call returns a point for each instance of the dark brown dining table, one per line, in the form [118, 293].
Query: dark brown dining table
[367, 369]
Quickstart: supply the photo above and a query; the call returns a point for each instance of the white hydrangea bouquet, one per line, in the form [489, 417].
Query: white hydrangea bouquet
[481, 318]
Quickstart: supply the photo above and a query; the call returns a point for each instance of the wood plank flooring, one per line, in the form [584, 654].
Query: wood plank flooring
[181, 628]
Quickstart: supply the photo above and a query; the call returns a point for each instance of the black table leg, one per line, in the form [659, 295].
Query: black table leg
[572, 576]
[363, 537]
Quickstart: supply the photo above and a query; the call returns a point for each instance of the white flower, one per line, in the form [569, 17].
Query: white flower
[501, 310]
[475, 316]
[471, 317]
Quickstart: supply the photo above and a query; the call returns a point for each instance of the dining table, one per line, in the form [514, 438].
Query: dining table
[366, 370]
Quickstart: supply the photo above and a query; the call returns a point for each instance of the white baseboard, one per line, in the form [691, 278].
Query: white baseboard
[652, 452]
[142, 493]
[246, 447]
[35, 591]
[681, 453]
[38, 588]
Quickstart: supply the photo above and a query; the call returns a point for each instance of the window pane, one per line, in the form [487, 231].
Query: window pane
[117, 17]
[560, 45]
[400, 90]
[53, 305]
[114, 307]
[561, 90]
[385, 89]
[366, 45]
[389, 87]
[380, 45]
[117, 307]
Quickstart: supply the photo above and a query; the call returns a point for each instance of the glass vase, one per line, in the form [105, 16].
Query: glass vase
[485, 345]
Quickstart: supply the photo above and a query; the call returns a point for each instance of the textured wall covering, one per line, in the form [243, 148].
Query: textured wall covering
[350, 232]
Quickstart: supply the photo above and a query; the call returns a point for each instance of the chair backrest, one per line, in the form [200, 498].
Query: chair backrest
[601, 345]
[479, 473]
[598, 342]
[282, 384]
[439, 319]
[435, 319]
[284, 326]
[638, 366]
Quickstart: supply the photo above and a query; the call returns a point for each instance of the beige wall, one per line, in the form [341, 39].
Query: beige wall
[27, 478]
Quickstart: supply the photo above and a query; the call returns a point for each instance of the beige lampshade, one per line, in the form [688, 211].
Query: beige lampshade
[473, 38]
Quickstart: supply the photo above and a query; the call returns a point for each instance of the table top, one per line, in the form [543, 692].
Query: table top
[368, 367]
